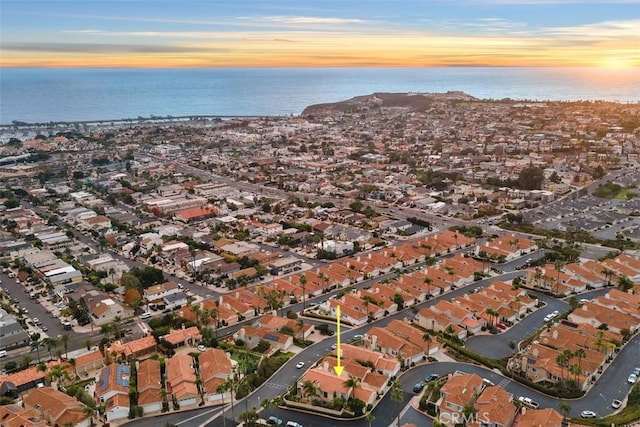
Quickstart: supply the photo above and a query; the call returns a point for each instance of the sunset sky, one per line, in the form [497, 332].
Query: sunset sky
[333, 33]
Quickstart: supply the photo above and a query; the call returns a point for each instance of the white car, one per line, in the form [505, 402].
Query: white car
[529, 402]
[300, 365]
[632, 379]
[588, 414]
[201, 347]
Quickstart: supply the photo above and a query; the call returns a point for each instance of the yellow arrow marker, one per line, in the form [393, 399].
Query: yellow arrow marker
[338, 368]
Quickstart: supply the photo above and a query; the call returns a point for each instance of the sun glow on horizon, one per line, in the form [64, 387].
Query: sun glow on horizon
[328, 33]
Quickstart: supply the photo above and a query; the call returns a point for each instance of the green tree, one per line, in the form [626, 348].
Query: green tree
[397, 396]
[64, 340]
[310, 389]
[351, 384]
[399, 300]
[250, 417]
[624, 283]
[426, 337]
[11, 203]
[370, 418]
[303, 283]
[531, 178]
[565, 408]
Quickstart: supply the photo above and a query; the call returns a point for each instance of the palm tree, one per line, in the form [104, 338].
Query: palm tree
[468, 411]
[565, 408]
[35, 345]
[599, 341]
[50, 343]
[397, 395]
[277, 401]
[493, 314]
[351, 384]
[369, 417]
[64, 340]
[451, 273]
[537, 277]
[87, 343]
[576, 371]
[449, 330]
[116, 326]
[309, 388]
[221, 389]
[624, 283]
[112, 271]
[89, 411]
[303, 282]
[426, 337]
[608, 274]
[580, 354]
[558, 267]
[428, 281]
[267, 403]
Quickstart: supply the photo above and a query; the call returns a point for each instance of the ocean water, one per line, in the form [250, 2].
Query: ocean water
[43, 95]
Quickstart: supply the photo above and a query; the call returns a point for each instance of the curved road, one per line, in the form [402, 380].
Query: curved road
[611, 385]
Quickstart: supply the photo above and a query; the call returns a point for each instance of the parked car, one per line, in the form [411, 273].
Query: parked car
[357, 337]
[636, 371]
[616, 404]
[418, 387]
[529, 402]
[431, 377]
[201, 347]
[632, 379]
[300, 365]
[588, 414]
[274, 420]
[293, 424]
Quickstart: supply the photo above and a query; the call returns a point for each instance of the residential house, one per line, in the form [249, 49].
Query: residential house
[496, 406]
[157, 292]
[460, 390]
[26, 379]
[90, 361]
[149, 386]
[17, 416]
[112, 389]
[275, 323]
[284, 265]
[547, 417]
[215, 369]
[56, 407]
[137, 348]
[597, 315]
[12, 334]
[185, 336]
[252, 337]
[106, 310]
[181, 380]
[385, 341]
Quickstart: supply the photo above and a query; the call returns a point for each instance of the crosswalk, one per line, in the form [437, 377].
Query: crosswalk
[504, 382]
[277, 386]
